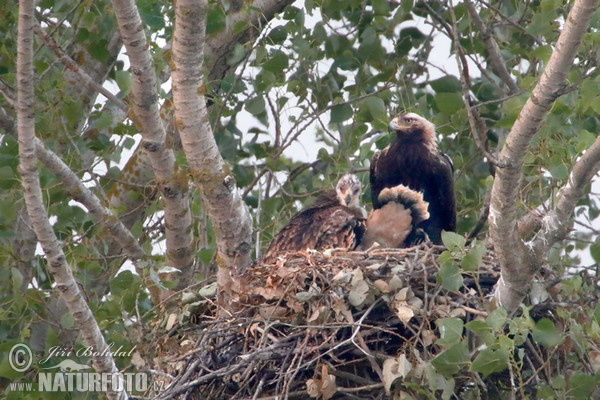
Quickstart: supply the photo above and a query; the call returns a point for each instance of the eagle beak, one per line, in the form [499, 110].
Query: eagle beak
[393, 126]
[348, 199]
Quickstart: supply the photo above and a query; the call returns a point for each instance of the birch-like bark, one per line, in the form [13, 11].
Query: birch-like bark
[218, 49]
[556, 223]
[229, 214]
[172, 183]
[517, 261]
[57, 264]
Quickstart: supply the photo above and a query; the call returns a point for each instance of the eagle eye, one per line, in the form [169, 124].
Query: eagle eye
[408, 120]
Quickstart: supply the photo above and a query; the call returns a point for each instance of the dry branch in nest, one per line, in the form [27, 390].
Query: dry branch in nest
[332, 325]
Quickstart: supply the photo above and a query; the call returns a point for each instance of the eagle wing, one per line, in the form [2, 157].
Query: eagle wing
[373, 177]
[441, 198]
[319, 228]
[341, 228]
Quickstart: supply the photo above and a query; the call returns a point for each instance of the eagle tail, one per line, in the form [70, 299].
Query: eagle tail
[410, 199]
[394, 225]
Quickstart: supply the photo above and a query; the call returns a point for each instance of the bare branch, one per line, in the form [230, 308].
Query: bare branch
[220, 46]
[475, 122]
[497, 63]
[172, 183]
[518, 266]
[556, 223]
[57, 263]
[72, 65]
[230, 216]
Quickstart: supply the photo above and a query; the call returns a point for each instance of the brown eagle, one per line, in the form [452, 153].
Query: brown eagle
[334, 220]
[395, 224]
[412, 159]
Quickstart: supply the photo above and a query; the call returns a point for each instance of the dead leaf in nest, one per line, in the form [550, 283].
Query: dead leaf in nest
[286, 272]
[358, 293]
[340, 308]
[305, 296]
[382, 286]
[272, 312]
[137, 360]
[458, 312]
[171, 321]
[323, 387]
[269, 293]
[404, 294]
[394, 368]
[427, 337]
[404, 312]
[253, 328]
[319, 316]
[375, 267]
[415, 303]
[396, 283]
[357, 276]
[296, 306]
[342, 277]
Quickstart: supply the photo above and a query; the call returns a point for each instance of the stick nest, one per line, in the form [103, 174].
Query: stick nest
[326, 325]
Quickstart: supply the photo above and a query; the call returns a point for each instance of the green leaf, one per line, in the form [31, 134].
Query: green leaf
[451, 330]
[450, 278]
[560, 172]
[449, 103]
[545, 333]
[478, 327]
[377, 109]
[472, 260]
[256, 105]
[216, 20]
[582, 386]
[124, 81]
[341, 113]
[497, 319]
[151, 13]
[124, 283]
[446, 84]
[277, 35]
[453, 241]
[277, 62]
[452, 360]
[595, 250]
[489, 361]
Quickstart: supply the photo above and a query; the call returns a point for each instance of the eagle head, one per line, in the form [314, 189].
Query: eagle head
[348, 190]
[413, 127]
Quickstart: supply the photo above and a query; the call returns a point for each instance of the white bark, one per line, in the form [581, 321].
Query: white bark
[518, 263]
[231, 219]
[172, 183]
[57, 264]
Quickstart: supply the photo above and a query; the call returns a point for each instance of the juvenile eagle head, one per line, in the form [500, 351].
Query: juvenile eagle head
[348, 191]
[414, 128]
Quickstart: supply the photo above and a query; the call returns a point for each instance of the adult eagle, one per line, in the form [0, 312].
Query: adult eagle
[334, 220]
[395, 224]
[413, 159]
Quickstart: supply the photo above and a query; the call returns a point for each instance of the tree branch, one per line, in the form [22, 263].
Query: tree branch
[230, 216]
[57, 264]
[72, 65]
[495, 59]
[172, 183]
[219, 47]
[555, 225]
[517, 263]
